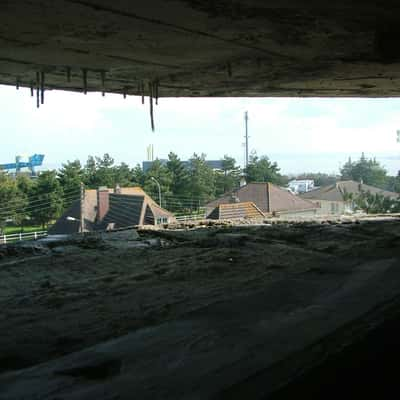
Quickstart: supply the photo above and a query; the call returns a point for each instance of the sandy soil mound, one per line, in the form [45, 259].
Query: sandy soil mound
[227, 290]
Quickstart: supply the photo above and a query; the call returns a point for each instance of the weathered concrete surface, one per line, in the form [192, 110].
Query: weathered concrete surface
[204, 48]
[271, 303]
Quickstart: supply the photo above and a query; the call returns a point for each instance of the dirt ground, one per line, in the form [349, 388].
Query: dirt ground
[63, 297]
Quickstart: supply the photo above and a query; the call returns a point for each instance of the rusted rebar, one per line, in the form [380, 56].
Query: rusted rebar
[42, 87]
[37, 89]
[103, 82]
[151, 95]
[84, 71]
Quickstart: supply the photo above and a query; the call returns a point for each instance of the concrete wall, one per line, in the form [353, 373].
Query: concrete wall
[332, 207]
[296, 214]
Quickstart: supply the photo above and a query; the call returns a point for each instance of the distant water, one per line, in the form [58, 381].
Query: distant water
[329, 162]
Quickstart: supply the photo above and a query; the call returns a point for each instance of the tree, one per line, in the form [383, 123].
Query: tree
[122, 175]
[179, 175]
[99, 171]
[161, 173]
[25, 186]
[70, 176]
[375, 203]
[138, 176]
[369, 171]
[12, 201]
[202, 180]
[262, 170]
[47, 199]
[393, 183]
[228, 177]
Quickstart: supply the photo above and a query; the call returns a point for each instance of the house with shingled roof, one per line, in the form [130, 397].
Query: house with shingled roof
[268, 198]
[107, 209]
[335, 200]
[247, 210]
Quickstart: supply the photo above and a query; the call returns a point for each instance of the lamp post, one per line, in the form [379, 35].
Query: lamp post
[159, 189]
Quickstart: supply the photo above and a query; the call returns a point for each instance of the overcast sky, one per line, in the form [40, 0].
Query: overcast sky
[301, 134]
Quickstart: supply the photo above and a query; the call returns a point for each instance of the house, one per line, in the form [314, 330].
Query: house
[268, 198]
[301, 185]
[105, 209]
[236, 211]
[334, 199]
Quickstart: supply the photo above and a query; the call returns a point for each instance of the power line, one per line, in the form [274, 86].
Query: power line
[246, 119]
[40, 205]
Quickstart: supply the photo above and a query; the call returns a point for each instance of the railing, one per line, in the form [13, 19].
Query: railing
[184, 218]
[16, 237]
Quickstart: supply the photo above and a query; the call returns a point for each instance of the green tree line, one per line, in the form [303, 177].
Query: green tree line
[184, 186]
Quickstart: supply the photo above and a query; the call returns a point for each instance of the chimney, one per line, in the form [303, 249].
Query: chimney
[103, 202]
[234, 198]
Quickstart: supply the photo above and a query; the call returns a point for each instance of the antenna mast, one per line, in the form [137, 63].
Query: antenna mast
[246, 119]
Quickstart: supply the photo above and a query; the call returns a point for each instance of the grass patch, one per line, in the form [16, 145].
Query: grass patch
[10, 230]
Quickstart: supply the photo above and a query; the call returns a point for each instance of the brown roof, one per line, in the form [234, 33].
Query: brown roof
[266, 196]
[236, 210]
[336, 191]
[65, 226]
[125, 209]
[283, 200]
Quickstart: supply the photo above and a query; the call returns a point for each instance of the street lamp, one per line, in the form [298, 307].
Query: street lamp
[159, 189]
[73, 219]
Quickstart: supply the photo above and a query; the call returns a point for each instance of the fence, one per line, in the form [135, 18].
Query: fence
[184, 218]
[16, 237]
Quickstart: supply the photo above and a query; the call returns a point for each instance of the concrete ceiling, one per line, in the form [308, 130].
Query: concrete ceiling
[203, 47]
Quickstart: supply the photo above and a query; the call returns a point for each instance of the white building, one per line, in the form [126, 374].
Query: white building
[298, 186]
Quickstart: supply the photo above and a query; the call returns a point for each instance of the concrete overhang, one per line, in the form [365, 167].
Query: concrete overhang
[203, 48]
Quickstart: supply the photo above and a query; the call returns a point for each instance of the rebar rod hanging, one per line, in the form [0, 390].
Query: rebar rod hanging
[103, 83]
[151, 95]
[37, 89]
[42, 87]
[84, 81]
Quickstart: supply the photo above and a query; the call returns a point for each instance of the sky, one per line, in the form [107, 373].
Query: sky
[302, 135]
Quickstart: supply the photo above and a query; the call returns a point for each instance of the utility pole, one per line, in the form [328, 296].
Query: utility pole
[82, 214]
[159, 189]
[246, 119]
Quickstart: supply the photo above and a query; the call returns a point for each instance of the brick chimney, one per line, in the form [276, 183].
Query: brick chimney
[103, 202]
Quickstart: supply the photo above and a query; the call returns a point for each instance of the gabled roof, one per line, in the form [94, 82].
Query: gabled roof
[66, 226]
[236, 210]
[283, 200]
[336, 191]
[266, 196]
[125, 209]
